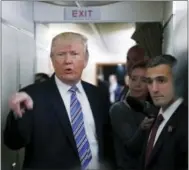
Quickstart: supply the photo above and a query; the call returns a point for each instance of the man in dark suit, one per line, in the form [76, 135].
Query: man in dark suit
[167, 144]
[63, 122]
[114, 88]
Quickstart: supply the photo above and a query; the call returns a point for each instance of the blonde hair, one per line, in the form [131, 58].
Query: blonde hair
[71, 36]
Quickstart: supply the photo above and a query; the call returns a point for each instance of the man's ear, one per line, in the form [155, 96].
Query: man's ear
[86, 62]
[86, 58]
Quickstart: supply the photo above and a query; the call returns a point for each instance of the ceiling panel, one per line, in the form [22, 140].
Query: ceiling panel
[82, 3]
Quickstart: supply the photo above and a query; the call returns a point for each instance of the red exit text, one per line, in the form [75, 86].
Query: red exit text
[81, 13]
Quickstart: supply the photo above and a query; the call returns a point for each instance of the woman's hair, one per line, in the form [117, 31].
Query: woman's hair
[140, 64]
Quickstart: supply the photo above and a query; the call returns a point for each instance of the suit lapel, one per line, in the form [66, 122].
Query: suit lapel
[61, 113]
[166, 133]
[94, 106]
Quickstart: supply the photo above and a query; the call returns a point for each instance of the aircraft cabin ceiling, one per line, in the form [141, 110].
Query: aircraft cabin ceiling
[81, 3]
[114, 38]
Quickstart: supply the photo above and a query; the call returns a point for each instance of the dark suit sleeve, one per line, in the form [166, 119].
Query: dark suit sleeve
[182, 145]
[18, 131]
[136, 141]
[119, 152]
[131, 136]
[108, 135]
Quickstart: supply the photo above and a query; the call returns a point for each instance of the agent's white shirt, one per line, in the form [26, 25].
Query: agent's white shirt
[112, 90]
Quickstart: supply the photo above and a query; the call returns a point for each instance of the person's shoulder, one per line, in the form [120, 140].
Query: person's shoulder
[96, 93]
[183, 109]
[118, 108]
[35, 88]
[117, 105]
[182, 121]
[88, 86]
[184, 115]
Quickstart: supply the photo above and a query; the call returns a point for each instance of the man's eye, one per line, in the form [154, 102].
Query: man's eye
[161, 79]
[74, 53]
[149, 81]
[61, 54]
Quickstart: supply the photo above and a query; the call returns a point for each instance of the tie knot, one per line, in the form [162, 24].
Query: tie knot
[159, 119]
[73, 89]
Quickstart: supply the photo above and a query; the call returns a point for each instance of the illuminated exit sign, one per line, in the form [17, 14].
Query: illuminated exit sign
[71, 13]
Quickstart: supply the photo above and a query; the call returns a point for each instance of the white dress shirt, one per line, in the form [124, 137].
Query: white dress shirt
[167, 115]
[112, 90]
[87, 116]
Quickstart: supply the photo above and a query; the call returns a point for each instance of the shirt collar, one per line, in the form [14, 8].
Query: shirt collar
[171, 109]
[65, 87]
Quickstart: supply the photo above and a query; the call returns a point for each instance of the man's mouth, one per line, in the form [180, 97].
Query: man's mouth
[68, 71]
[157, 97]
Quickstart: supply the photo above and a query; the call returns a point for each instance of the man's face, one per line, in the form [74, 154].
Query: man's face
[137, 83]
[112, 79]
[160, 84]
[69, 59]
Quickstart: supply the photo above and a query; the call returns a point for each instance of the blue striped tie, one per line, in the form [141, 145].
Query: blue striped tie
[79, 129]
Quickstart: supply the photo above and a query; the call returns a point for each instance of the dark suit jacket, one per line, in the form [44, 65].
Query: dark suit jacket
[46, 133]
[128, 137]
[104, 88]
[171, 149]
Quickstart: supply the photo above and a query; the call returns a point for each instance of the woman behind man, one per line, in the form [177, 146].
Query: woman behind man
[129, 125]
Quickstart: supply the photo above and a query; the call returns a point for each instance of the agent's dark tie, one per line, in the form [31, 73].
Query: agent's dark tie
[79, 130]
[152, 137]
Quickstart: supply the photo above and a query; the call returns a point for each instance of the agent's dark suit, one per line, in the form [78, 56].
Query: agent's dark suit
[171, 149]
[46, 133]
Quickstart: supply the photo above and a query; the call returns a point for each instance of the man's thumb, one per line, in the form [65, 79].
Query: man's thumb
[28, 103]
